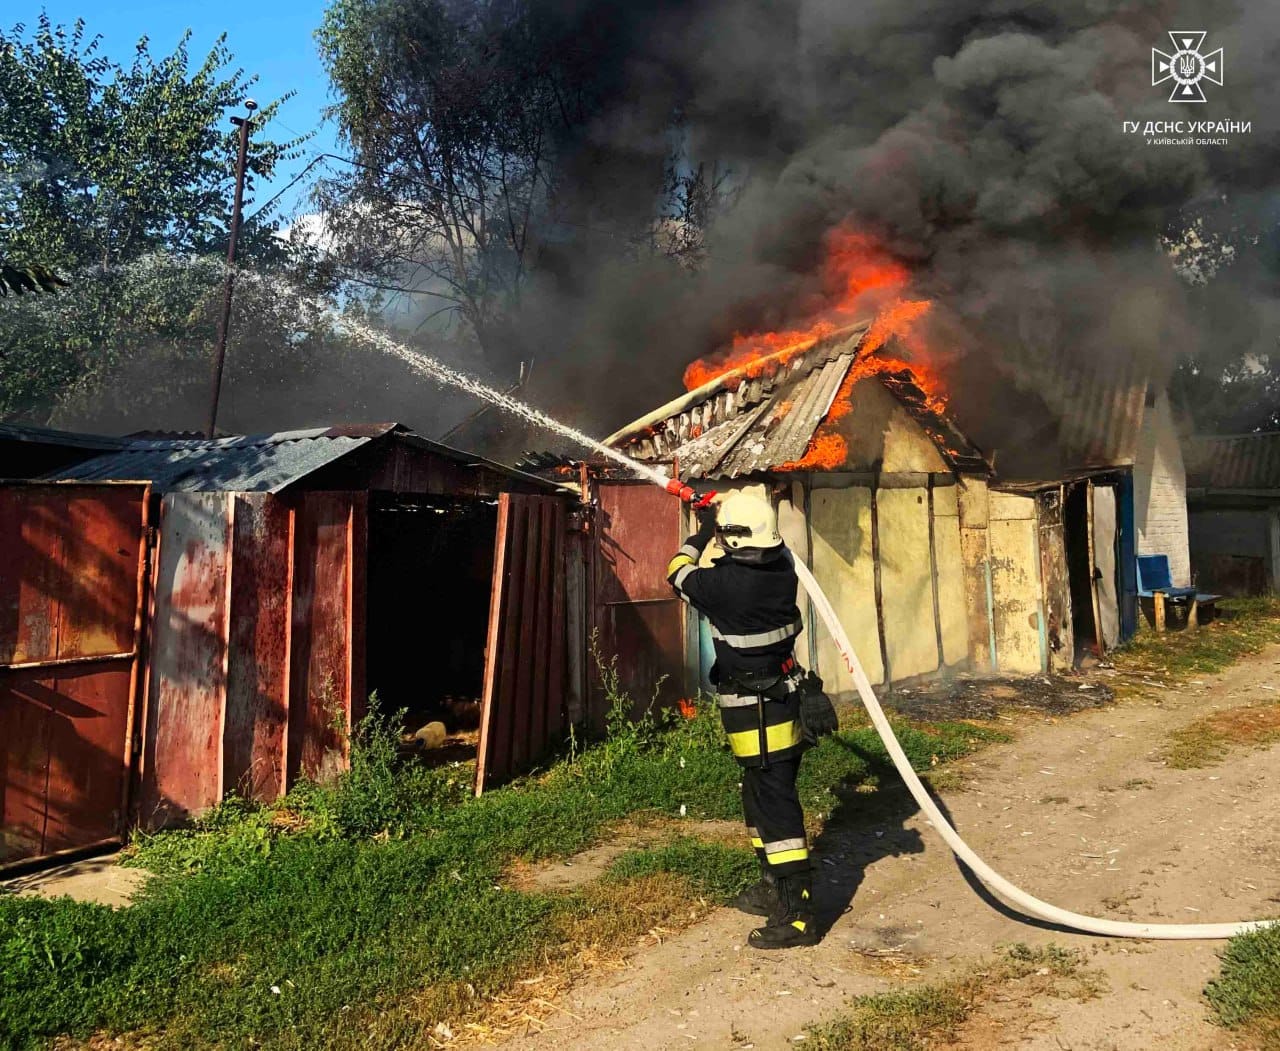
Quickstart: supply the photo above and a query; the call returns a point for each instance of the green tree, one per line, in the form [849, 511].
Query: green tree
[119, 177]
[16, 281]
[479, 161]
[101, 163]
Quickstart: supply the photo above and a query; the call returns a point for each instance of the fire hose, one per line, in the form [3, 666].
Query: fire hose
[1027, 903]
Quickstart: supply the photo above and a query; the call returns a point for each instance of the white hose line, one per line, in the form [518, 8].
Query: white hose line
[1025, 902]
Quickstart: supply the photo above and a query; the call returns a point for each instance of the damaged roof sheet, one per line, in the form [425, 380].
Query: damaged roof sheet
[1234, 461]
[738, 424]
[248, 463]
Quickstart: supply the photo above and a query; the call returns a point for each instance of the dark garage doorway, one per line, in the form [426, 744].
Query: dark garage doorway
[1076, 527]
[430, 583]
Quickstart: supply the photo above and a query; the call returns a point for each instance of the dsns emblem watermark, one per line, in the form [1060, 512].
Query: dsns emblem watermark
[1186, 67]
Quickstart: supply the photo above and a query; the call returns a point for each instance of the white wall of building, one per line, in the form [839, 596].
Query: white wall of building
[1160, 491]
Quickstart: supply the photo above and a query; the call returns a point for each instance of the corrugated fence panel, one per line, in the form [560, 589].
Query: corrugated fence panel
[257, 717]
[320, 675]
[523, 711]
[183, 765]
[100, 556]
[24, 762]
[89, 718]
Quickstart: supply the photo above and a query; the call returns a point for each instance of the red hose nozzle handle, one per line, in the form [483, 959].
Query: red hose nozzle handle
[685, 492]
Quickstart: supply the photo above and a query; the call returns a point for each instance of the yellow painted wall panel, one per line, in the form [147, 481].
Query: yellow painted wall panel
[842, 564]
[952, 609]
[906, 582]
[881, 435]
[975, 553]
[945, 500]
[1015, 583]
[794, 530]
[972, 497]
[1005, 506]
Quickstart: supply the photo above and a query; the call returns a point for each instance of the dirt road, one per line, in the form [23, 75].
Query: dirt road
[1079, 811]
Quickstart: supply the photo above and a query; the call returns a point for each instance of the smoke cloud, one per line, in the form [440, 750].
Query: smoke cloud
[980, 141]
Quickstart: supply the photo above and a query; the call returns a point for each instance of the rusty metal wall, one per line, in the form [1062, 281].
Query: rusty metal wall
[182, 763]
[71, 578]
[640, 621]
[255, 655]
[257, 704]
[321, 675]
[523, 711]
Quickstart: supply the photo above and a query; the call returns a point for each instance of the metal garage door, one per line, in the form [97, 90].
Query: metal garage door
[71, 579]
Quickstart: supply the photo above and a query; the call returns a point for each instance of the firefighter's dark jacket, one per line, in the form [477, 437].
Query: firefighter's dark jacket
[751, 606]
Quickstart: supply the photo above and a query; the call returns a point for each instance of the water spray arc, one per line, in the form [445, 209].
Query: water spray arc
[1027, 903]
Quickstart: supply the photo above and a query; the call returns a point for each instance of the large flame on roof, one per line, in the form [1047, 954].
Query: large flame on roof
[862, 280]
[859, 279]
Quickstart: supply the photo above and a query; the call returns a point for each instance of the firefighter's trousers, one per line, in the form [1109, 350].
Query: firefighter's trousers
[766, 739]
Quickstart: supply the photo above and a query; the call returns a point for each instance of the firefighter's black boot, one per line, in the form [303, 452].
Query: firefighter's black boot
[792, 924]
[759, 899]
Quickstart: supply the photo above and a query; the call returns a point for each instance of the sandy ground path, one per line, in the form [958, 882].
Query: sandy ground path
[1079, 811]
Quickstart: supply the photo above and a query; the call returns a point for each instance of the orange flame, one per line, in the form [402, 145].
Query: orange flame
[860, 278]
[856, 271]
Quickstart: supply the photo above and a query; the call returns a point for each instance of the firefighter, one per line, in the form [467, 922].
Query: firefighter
[749, 596]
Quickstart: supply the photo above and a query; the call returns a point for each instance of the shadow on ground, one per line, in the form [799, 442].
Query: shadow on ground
[867, 827]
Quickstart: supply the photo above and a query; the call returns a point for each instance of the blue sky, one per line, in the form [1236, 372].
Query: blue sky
[272, 38]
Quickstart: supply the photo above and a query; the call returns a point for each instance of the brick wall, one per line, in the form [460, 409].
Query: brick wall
[1160, 491]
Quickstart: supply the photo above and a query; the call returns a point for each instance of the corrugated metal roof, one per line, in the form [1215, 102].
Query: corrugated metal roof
[740, 424]
[17, 432]
[1098, 404]
[1234, 461]
[250, 463]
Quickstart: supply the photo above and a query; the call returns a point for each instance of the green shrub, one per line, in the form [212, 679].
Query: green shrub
[1247, 992]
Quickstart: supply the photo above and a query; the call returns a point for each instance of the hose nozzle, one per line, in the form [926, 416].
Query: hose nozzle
[677, 488]
[686, 494]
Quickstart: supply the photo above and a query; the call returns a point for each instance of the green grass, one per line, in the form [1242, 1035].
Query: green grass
[363, 913]
[915, 1019]
[1242, 626]
[1246, 995]
[712, 870]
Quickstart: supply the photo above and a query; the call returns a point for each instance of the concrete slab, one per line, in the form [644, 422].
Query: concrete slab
[102, 880]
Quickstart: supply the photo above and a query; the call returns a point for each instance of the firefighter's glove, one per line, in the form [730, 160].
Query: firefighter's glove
[817, 713]
[706, 528]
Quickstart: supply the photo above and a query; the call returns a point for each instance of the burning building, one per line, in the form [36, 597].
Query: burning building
[935, 560]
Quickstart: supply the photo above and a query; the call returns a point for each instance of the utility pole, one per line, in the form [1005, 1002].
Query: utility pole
[220, 350]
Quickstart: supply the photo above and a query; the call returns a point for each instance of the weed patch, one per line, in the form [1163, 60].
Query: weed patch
[1243, 626]
[368, 912]
[1246, 995]
[1208, 740]
[919, 1018]
[711, 869]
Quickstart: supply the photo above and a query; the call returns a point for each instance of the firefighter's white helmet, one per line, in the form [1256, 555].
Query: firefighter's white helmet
[745, 521]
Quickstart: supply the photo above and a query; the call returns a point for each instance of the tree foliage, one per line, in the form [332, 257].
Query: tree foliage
[16, 281]
[480, 156]
[101, 162]
[119, 177]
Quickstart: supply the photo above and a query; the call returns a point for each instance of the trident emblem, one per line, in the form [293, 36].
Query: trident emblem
[1186, 67]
